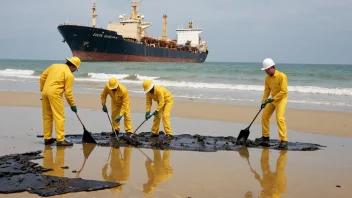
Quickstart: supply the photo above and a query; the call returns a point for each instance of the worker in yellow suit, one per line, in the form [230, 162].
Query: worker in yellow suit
[120, 104]
[158, 171]
[273, 184]
[55, 80]
[50, 163]
[276, 85]
[120, 167]
[165, 102]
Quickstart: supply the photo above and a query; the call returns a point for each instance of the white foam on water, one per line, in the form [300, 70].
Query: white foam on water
[137, 79]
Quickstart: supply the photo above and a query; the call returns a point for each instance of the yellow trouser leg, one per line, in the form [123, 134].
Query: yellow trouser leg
[57, 107]
[280, 180]
[264, 160]
[156, 122]
[127, 121]
[166, 117]
[280, 119]
[47, 118]
[114, 112]
[267, 112]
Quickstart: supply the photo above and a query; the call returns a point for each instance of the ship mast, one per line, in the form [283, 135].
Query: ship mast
[164, 28]
[134, 9]
[94, 16]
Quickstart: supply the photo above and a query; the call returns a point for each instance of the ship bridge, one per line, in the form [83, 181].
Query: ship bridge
[190, 34]
[131, 27]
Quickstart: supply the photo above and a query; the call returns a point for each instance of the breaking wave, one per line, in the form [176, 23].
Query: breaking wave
[136, 79]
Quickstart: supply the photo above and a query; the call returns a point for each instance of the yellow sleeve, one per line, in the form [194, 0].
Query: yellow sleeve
[161, 99]
[148, 102]
[266, 91]
[68, 89]
[43, 77]
[283, 86]
[104, 94]
[125, 102]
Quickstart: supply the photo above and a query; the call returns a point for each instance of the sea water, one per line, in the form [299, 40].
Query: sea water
[323, 87]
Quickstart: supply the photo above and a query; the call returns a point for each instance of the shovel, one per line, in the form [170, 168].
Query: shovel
[132, 141]
[87, 137]
[243, 136]
[112, 127]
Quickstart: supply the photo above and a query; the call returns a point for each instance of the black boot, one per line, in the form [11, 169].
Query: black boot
[49, 141]
[170, 137]
[263, 140]
[154, 135]
[64, 143]
[283, 145]
[113, 133]
[129, 134]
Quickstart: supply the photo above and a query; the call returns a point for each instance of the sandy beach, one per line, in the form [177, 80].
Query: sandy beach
[335, 123]
[184, 173]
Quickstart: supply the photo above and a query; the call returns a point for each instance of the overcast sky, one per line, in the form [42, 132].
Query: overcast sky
[300, 31]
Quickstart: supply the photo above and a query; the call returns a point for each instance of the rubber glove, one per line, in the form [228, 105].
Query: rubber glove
[118, 119]
[147, 114]
[270, 100]
[153, 114]
[105, 109]
[74, 109]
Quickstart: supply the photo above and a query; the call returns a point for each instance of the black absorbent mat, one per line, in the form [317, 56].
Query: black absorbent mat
[18, 174]
[186, 142]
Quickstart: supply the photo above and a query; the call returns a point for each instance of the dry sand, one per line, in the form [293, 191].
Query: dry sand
[308, 121]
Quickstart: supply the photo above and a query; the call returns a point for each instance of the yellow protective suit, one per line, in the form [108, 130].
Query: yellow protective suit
[165, 102]
[55, 80]
[273, 184]
[120, 167]
[48, 161]
[120, 106]
[277, 86]
[158, 172]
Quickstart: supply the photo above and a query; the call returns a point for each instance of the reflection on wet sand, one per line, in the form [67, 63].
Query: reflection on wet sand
[87, 150]
[158, 170]
[273, 183]
[119, 166]
[48, 161]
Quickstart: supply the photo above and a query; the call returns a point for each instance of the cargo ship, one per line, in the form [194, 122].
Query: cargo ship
[128, 40]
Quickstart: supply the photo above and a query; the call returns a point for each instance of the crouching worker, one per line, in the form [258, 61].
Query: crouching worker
[120, 105]
[276, 85]
[165, 101]
[55, 80]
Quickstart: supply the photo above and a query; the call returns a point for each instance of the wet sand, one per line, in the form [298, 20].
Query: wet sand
[184, 173]
[309, 121]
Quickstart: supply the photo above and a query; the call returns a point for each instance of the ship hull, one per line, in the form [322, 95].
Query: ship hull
[96, 44]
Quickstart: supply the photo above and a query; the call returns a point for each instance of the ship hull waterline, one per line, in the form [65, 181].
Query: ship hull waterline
[101, 45]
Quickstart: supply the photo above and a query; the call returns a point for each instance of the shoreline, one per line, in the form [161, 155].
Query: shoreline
[322, 122]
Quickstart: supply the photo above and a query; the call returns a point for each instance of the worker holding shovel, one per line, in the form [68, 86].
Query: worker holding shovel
[55, 80]
[276, 85]
[120, 105]
[165, 102]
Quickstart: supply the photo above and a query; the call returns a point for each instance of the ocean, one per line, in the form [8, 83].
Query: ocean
[319, 87]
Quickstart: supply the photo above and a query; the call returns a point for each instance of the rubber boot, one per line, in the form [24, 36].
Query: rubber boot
[170, 137]
[263, 140]
[283, 145]
[161, 133]
[113, 133]
[64, 143]
[49, 141]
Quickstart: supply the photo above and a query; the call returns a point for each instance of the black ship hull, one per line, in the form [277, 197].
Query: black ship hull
[96, 44]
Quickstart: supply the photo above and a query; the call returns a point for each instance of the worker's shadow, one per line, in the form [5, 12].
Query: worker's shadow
[158, 170]
[273, 183]
[119, 167]
[50, 163]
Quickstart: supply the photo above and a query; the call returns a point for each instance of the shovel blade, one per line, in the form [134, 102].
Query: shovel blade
[243, 136]
[87, 138]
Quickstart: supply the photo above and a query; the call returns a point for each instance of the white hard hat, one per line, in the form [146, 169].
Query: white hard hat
[267, 63]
